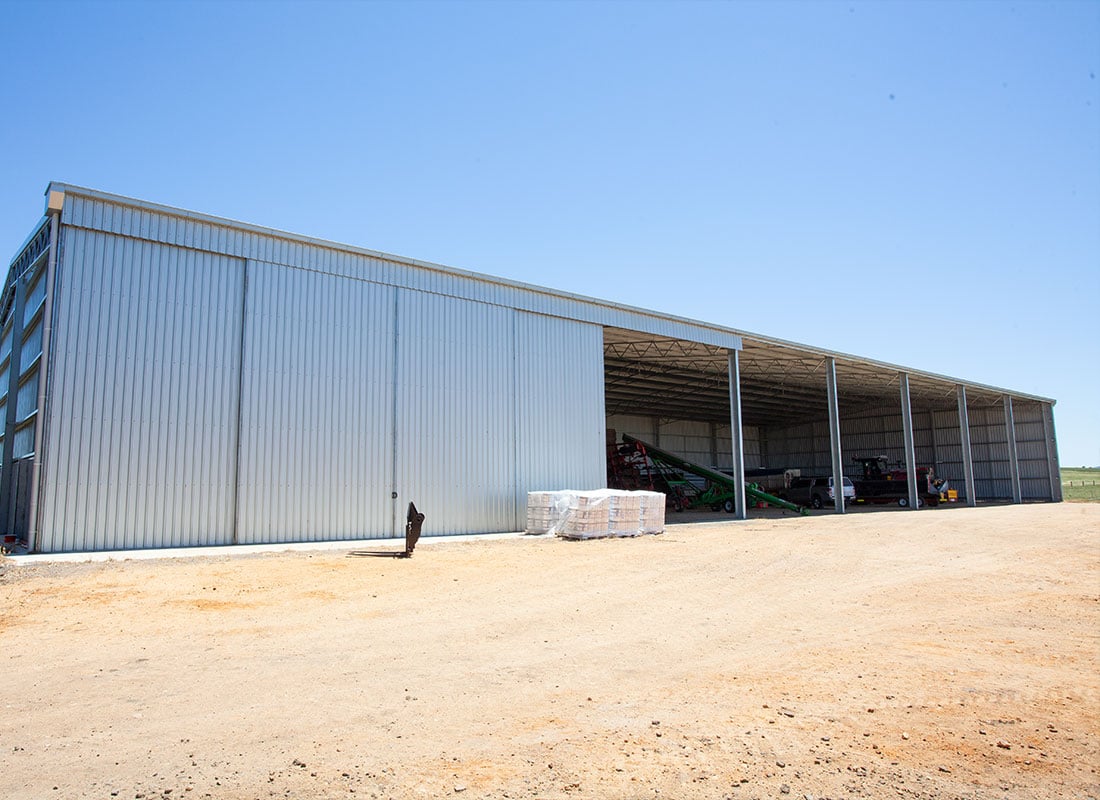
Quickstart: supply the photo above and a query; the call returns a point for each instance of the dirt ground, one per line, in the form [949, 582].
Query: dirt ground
[944, 653]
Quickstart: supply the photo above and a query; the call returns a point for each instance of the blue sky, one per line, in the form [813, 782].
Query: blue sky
[913, 182]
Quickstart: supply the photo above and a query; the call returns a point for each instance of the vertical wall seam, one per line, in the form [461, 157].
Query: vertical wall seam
[235, 533]
[395, 389]
[516, 505]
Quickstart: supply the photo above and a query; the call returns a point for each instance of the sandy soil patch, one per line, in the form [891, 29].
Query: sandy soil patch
[937, 654]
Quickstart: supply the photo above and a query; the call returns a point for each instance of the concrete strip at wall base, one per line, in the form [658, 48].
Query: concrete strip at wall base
[220, 551]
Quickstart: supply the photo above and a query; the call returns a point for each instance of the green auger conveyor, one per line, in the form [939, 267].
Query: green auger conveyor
[718, 478]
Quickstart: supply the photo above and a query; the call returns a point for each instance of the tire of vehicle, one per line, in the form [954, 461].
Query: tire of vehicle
[903, 502]
[816, 501]
[728, 506]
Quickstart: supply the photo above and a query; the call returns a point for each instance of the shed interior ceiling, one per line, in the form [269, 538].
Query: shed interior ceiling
[781, 384]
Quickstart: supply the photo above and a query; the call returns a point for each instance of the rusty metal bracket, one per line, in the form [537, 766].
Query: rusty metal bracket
[413, 520]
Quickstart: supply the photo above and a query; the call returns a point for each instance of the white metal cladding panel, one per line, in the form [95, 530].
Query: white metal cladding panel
[316, 454]
[1029, 431]
[992, 474]
[992, 468]
[5, 341]
[640, 427]
[723, 446]
[23, 441]
[1026, 412]
[790, 446]
[142, 427]
[750, 442]
[559, 398]
[1031, 450]
[804, 447]
[36, 293]
[27, 397]
[1035, 488]
[750, 439]
[992, 489]
[456, 445]
[32, 345]
[945, 454]
[674, 433]
[987, 425]
[242, 242]
[688, 439]
[947, 427]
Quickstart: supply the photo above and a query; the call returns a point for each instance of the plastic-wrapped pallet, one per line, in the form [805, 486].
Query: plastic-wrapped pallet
[624, 513]
[653, 512]
[548, 512]
[595, 514]
[587, 517]
[541, 512]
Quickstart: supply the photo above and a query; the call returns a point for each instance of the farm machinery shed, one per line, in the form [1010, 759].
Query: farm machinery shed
[173, 379]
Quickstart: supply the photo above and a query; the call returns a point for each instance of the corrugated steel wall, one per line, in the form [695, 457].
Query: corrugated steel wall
[170, 226]
[750, 441]
[989, 451]
[559, 407]
[199, 399]
[937, 440]
[702, 443]
[456, 456]
[316, 451]
[142, 430]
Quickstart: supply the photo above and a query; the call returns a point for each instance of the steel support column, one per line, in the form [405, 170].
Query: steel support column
[834, 435]
[910, 447]
[1053, 467]
[964, 440]
[932, 436]
[737, 442]
[1013, 459]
